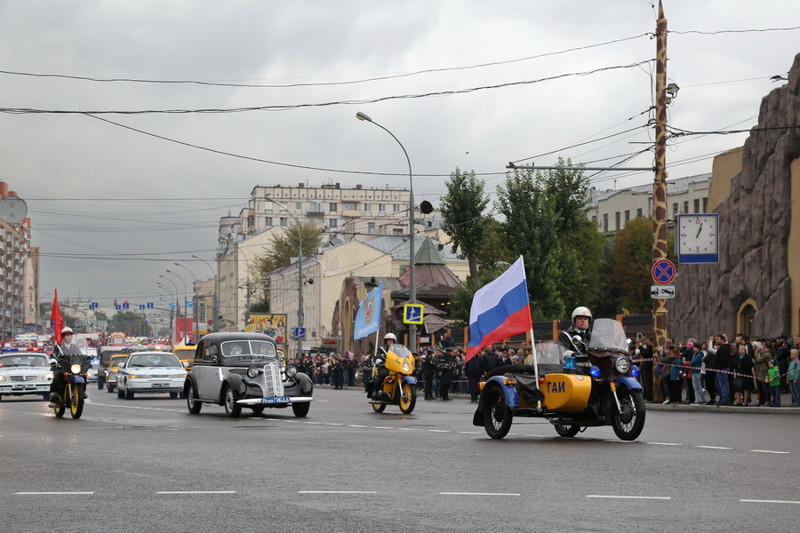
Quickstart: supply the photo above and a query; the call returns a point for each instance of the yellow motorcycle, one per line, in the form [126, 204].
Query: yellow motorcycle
[399, 387]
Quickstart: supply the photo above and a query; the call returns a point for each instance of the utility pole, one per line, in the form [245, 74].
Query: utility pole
[660, 181]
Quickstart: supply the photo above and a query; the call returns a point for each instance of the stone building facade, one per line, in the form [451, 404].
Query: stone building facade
[755, 287]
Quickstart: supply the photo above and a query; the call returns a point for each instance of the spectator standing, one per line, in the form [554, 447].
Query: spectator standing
[345, 364]
[445, 364]
[722, 363]
[742, 380]
[698, 369]
[793, 376]
[447, 339]
[505, 358]
[428, 370]
[687, 354]
[489, 360]
[782, 357]
[709, 360]
[335, 371]
[646, 355]
[774, 379]
[472, 369]
[760, 365]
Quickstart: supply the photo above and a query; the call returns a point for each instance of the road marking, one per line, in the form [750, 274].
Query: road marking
[381, 427]
[623, 497]
[336, 492]
[437, 431]
[770, 501]
[714, 447]
[470, 433]
[479, 494]
[332, 424]
[356, 426]
[767, 451]
[140, 408]
[196, 492]
[409, 429]
[51, 493]
[313, 423]
[666, 443]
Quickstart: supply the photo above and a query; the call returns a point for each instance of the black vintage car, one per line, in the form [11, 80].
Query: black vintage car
[239, 370]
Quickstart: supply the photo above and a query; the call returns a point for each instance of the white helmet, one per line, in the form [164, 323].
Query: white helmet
[581, 311]
[66, 331]
[389, 337]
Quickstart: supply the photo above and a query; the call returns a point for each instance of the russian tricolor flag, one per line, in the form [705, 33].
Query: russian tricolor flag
[499, 310]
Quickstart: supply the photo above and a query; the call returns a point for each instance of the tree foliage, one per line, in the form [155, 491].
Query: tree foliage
[132, 324]
[463, 216]
[545, 222]
[284, 247]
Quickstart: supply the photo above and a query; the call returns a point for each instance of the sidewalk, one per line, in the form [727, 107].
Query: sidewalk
[786, 400]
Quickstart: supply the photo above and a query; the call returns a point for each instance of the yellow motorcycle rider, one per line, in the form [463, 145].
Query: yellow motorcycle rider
[380, 362]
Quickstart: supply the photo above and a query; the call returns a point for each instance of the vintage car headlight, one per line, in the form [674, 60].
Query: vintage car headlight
[406, 368]
[622, 365]
[3, 378]
[291, 371]
[252, 372]
[75, 369]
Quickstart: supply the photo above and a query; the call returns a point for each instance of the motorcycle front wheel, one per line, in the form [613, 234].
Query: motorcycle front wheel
[76, 400]
[629, 422]
[408, 398]
[497, 416]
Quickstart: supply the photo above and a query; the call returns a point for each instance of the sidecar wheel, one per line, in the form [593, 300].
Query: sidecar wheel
[629, 423]
[567, 431]
[497, 416]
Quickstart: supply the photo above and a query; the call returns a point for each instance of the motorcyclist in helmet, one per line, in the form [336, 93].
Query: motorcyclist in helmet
[380, 362]
[581, 327]
[58, 384]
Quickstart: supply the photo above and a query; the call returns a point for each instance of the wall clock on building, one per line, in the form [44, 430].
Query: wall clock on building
[697, 238]
[13, 209]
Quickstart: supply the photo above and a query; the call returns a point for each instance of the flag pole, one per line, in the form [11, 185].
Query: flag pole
[535, 359]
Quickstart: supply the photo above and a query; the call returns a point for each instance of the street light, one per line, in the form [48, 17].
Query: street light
[215, 305]
[194, 300]
[300, 303]
[185, 299]
[412, 292]
[177, 306]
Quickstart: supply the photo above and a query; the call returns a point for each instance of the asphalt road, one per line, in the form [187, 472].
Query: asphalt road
[147, 465]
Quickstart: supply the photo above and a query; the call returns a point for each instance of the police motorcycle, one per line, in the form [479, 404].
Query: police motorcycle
[399, 387]
[74, 364]
[594, 384]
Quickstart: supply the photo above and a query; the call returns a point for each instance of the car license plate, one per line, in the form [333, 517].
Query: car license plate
[160, 385]
[277, 399]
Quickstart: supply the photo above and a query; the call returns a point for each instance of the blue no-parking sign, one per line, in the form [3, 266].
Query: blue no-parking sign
[663, 272]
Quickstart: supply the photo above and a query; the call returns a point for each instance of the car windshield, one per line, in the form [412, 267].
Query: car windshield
[184, 354]
[159, 360]
[607, 334]
[116, 361]
[247, 348]
[11, 361]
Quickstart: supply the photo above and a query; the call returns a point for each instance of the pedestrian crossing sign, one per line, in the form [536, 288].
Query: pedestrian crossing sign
[413, 313]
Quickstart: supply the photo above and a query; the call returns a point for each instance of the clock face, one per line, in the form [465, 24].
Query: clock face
[698, 234]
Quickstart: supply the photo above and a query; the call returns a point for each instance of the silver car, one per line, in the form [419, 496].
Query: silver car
[25, 373]
[150, 372]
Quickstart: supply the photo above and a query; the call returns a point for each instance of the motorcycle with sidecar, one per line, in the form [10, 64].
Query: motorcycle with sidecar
[585, 385]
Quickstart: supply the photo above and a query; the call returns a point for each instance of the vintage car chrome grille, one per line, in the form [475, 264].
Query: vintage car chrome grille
[23, 378]
[272, 384]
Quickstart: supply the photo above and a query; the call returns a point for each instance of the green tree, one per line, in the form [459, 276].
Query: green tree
[132, 324]
[284, 247]
[463, 216]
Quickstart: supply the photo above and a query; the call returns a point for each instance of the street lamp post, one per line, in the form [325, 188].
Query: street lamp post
[185, 300]
[215, 305]
[169, 297]
[412, 291]
[194, 300]
[177, 306]
[300, 303]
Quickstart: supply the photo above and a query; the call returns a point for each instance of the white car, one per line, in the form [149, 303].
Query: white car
[149, 373]
[25, 373]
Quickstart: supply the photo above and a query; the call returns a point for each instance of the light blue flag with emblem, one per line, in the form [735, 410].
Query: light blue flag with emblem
[368, 318]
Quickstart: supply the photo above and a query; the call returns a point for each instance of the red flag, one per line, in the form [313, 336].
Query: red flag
[56, 321]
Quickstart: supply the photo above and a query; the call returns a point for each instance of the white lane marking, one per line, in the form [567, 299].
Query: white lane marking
[714, 447]
[623, 497]
[666, 443]
[332, 424]
[409, 429]
[470, 433]
[381, 427]
[140, 408]
[196, 492]
[767, 451]
[479, 494]
[336, 492]
[51, 493]
[437, 431]
[356, 426]
[313, 423]
[770, 501]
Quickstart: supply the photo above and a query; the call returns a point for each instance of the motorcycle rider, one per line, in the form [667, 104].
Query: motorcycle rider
[380, 361]
[58, 384]
[445, 364]
[581, 327]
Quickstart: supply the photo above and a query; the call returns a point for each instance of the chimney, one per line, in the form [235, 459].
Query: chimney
[3, 189]
[358, 187]
[301, 185]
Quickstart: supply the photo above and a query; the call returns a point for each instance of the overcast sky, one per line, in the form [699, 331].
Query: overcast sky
[112, 208]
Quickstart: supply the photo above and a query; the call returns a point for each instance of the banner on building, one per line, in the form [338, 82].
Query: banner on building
[272, 325]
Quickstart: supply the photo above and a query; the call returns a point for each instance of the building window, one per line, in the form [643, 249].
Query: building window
[638, 212]
[674, 210]
[268, 221]
[315, 207]
[686, 206]
[594, 219]
[333, 207]
[370, 227]
[605, 222]
[367, 208]
[381, 208]
[616, 220]
[395, 208]
[398, 231]
[332, 223]
[697, 205]
[627, 215]
[705, 205]
[284, 221]
[350, 206]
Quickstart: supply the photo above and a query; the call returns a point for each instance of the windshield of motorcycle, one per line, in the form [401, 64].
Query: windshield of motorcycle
[549, 357]
[607, 334]
[400, 351]
[78, 346]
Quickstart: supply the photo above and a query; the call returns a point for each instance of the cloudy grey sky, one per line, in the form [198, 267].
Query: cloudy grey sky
[462, 83]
